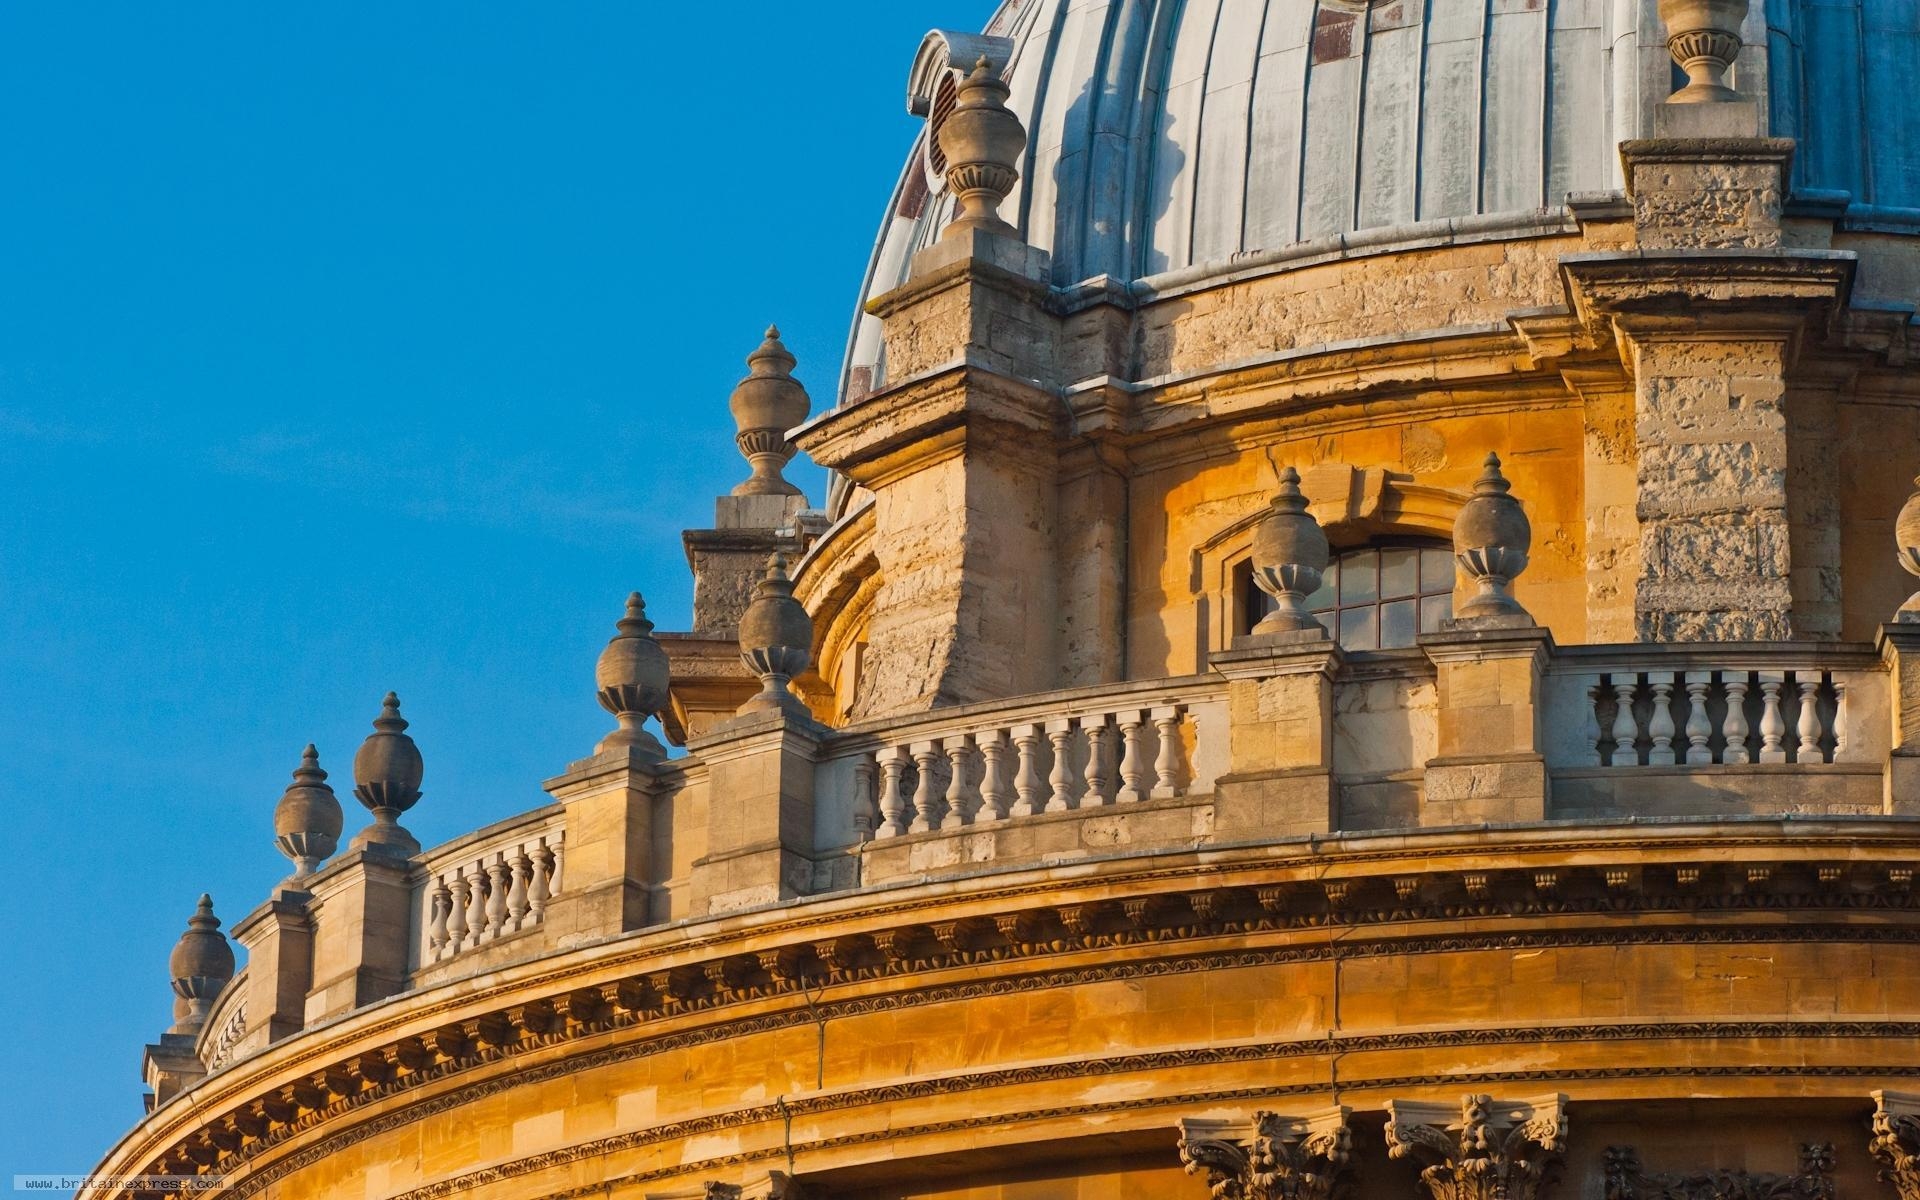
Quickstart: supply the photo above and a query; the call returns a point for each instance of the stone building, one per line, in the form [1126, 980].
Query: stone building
[1355, 647]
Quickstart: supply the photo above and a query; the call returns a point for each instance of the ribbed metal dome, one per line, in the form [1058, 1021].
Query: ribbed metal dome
[1179, 134]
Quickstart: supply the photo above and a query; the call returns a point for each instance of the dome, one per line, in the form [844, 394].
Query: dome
[1184, 136]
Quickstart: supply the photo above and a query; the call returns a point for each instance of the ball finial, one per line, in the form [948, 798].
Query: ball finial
[776, 640]
[1290, 555]
[308, 820]
[765, 405]
[200, 966]
[1491, 540]
[387, 772]
[633, 677]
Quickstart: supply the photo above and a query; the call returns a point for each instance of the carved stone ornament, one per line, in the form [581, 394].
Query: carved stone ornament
[1703, 36]
[1627, 1180]
[1491, 538]
[1271, 1157]
[765, 405]
[387, 772]
[776, 640]
[632, 679]
[1906, 536]
[981, 140]
[308, 820]
[1896, 1141]
[1289, 556]
[1486, 1149]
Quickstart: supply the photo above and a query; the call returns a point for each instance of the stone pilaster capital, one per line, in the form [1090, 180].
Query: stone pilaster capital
[1895, 1144]
[286, 908]
[758, 733]
[1482, 1149]
[1271, 1157]
[917, 422]
[1476, 644]
[1699, 292]
[1271, 655]
[621, 767]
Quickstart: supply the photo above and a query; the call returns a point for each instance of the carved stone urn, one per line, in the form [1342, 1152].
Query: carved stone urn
[1289, 557]
[387, 771]
[1491, 537]
[982, 139]
[633, 678]
[1703, 36]
[765, 405]
[307, 821]
[1906, 536]
[776, 640]
[200, 966]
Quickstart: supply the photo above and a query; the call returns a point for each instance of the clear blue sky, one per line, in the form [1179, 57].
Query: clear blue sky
[347, 347]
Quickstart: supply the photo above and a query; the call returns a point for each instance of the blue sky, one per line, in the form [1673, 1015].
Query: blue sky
[347, 347]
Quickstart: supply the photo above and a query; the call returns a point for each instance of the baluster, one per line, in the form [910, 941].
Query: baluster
[499, 879]
[1773, 727]
[522, 868]
[1808, 723]
[559, 878]
[457, 928]
[1060, 733]
[1026, 780]
[993, 776]
[1660, 724]
[1699, 728]
[437, 923]
[1735, 726]
[958, 809]
[863, 769]
[1842, 727]
[477, 905]
[1133, 768]
[925, 799]
[1166, 763]
[1625, 731]
[1096, 776]
[540, 887]
[893, 805]
[1590, 732]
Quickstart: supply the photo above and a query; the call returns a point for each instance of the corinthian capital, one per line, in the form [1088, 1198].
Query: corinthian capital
[1491, 1150]
[1270, 1157]
[1896, 1141]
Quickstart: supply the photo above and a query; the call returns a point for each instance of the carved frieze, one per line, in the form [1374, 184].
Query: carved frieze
[1271, 1157]
[1485, 1149]
[1626, 1179]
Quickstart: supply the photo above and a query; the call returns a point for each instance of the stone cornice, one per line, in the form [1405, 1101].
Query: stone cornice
[324, 1076]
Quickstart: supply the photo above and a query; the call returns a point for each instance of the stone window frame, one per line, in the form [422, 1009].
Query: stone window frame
[1357, 506]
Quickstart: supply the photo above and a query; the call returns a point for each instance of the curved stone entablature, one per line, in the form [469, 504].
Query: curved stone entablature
[1424, 966]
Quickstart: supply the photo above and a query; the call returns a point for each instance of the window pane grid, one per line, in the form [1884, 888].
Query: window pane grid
[1386, 596]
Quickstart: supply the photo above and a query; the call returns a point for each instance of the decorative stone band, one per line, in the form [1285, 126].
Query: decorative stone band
[1627, 1180]
[230, 1128]
[226, 1024]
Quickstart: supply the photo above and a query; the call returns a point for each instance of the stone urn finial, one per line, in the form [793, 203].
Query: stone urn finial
[982, 139]
[1703, 36]
[1491, 537]
[387, 771]
[633, 678]
[1289, 557]
[200, 965]
[307, 821]
[1906, 536]
[776, 640]
[766, 404]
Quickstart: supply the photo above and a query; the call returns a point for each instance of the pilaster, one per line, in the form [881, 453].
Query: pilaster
[1710, 313]
[1900, 650]
[759, 812]
[170, 1067]
[611, 879]
[1491, 714]
[361, 914]
[1482, 1148]
[278, 937]
[960, 454]
[1280, 736]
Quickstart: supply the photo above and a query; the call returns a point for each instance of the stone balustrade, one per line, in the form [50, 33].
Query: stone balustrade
[490, 885]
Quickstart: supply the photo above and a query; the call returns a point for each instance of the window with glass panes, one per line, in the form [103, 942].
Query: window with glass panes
[1376, 597]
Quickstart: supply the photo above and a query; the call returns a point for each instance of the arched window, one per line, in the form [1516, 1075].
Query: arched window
[1374, 597]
